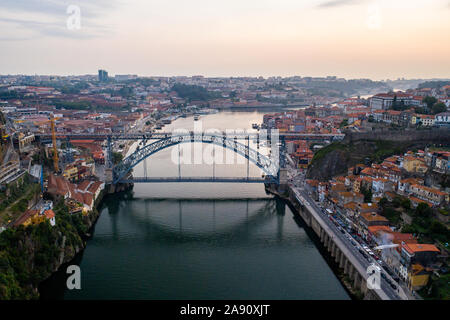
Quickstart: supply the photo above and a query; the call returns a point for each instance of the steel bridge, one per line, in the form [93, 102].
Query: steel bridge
[229, 140]
[270, 166]
[161, 135]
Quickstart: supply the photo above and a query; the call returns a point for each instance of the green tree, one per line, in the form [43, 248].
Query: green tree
[383, 202]
[367, 195]
[344, 123]
[438, 108]
[117, 157]
[430, 101]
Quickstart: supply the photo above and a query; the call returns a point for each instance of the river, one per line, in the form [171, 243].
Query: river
[199, 241]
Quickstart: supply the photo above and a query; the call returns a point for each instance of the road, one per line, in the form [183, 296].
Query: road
[343, 239]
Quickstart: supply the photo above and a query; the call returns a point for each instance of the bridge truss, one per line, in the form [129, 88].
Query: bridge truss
[270, 166]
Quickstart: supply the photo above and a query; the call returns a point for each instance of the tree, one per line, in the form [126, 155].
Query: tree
[117, 157]
[383, 202]
[423, 210]
[394, 102]
[367, 195]
[438, 108]
[344, 123]
[406, 203]
[430, 101]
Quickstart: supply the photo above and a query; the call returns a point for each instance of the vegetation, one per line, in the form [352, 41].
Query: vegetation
[393, 210]
[117, 157]
[433, 106]
[438, 108]
[193, 92]
[326, 150]
[68, 105]
[367, 195]
[15, 198]
[340, 87]
[343, 124]
[423, 225]
[386, 148]
[437, 289]
[30, 254]
[5, 94]
[430, 101]
[433, 84]
[426, 226]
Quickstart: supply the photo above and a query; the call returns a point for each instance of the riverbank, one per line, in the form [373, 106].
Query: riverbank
[338, 272]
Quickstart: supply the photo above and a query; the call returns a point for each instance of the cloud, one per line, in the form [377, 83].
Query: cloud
[53, 29]
[90, 8]
[48, 18]
[338, 3]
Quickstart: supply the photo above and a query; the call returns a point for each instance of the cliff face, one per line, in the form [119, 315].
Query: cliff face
[30, 255]
[336, 158]
[334, 162]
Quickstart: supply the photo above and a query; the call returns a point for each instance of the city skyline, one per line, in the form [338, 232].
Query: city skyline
[349, 39]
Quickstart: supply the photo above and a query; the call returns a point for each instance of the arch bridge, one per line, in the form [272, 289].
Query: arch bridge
[163, 140]
[269, 165]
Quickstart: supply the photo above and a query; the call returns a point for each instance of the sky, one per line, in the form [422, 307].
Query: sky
[377, 39]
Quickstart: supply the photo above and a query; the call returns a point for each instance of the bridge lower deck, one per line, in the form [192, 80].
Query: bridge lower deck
[197, 179]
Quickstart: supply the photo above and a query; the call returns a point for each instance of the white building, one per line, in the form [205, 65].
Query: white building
[442, 119]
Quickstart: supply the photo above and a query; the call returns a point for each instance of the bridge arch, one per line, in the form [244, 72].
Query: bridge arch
[268, 165]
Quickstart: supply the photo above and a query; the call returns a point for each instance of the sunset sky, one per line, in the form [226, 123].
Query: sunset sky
[376, 39]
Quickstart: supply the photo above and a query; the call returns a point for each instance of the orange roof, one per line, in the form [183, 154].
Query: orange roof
[419, 247]
[403, 237]
[373, 206]
[350, 205]
[345, 194]
[376, 229]
[49, 214]
[372, 216]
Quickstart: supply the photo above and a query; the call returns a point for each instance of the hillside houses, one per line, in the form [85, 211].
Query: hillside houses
[84, 193]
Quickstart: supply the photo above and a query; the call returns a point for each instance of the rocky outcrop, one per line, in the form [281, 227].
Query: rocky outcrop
[357, 148]
[334, 163]
[29, 255]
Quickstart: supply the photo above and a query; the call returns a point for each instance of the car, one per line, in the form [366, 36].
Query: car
[393, 286]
